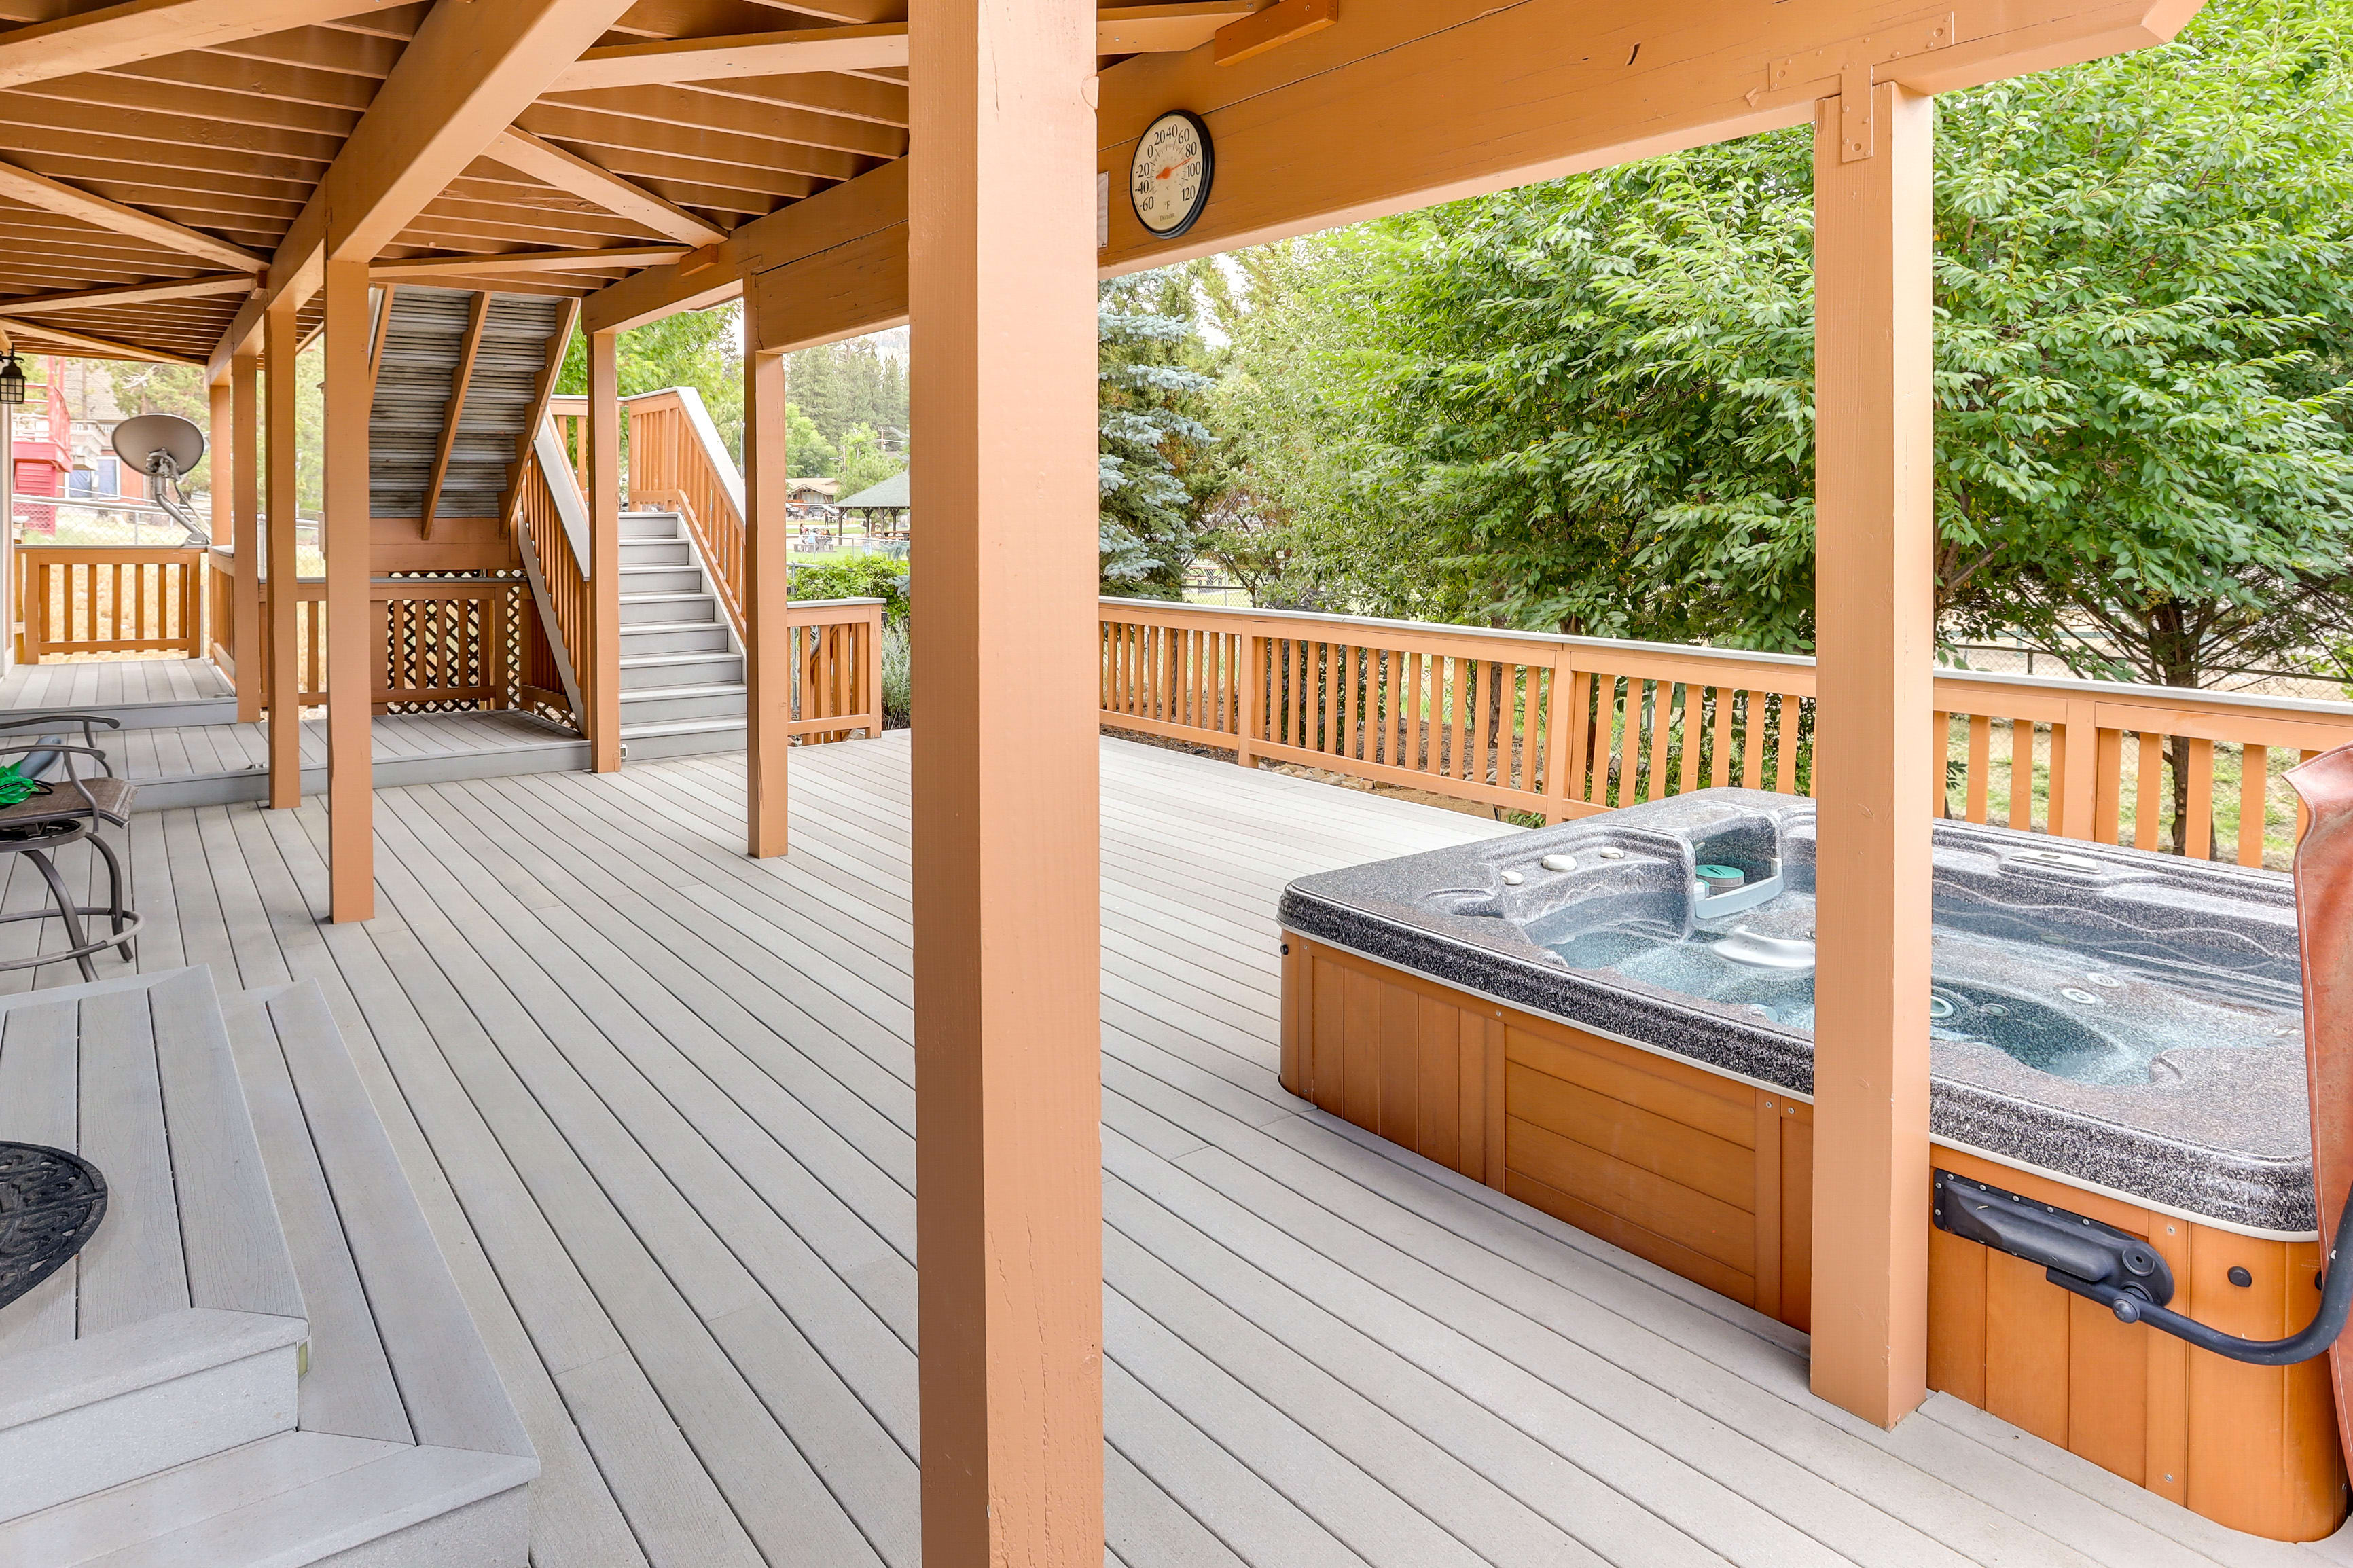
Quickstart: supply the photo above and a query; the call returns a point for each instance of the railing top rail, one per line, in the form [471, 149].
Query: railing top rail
[2114, 690]
[832, 603]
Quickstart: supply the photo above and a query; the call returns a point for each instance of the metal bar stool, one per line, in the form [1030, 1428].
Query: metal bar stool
[67, 811]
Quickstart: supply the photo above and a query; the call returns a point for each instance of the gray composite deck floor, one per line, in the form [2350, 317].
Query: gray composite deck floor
[197, 750]
[657, 1101]
[110, 683]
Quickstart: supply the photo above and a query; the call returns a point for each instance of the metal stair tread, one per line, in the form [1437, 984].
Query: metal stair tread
[681, 727]
[652, 693]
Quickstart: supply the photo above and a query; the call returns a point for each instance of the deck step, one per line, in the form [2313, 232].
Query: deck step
[725, 702]
[114, 1407]
[685, 738]
[674, 637]
[295, 1499]
[652, 525]
[653, 671]
[175, 1332]
[397, 1445]
[686, 579]
[668, 609]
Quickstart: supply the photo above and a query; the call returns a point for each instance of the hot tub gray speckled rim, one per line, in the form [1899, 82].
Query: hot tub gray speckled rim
[2226, 1139]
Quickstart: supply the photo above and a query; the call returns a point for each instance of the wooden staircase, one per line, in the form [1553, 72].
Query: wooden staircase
[683, 690]
[261, 1357]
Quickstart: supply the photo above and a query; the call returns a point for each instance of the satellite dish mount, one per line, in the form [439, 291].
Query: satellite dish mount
[166, 449]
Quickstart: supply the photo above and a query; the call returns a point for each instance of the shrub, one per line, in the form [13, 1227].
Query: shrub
[855, 577]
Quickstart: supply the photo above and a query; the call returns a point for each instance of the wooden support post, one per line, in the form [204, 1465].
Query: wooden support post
[768, 651]
[244, 641]
[283, 682]
[220, 401]
[603, 553]
[1001, 269]
[353, 645]
[1875, 534]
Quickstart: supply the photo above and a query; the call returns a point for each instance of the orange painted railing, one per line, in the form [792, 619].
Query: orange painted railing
[1562, 727]
[675, 463]
[836, 648]
[447, 643]
[552, 541]
[103, 598]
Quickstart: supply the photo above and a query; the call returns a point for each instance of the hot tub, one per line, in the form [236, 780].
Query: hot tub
[1612, 1021]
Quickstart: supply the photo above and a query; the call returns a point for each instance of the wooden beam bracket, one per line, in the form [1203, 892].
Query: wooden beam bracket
[1285, 22]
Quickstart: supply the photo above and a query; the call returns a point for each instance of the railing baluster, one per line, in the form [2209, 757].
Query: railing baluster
[2146, 803]
[1980, 766]
[2255, 801]
[2022, 773]
[2197, 832]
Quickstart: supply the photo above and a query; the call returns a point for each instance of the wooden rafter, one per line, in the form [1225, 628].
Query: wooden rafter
[128, 294]
[23, 185]
[523, 261]
[476, 316]
[1119, 30]
[147, 29]
[553, 166]
[461, 81]
[106, 348]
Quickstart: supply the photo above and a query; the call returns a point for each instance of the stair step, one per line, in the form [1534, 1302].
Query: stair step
[667, 609]
[652, 525]
[295, 1498]
[685, 738]
[657, 552]
[674, 637]
[113, 1408]
[686, 579]
[670, 671]
[667, 704]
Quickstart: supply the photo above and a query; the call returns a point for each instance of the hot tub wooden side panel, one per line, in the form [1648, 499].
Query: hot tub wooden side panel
[1712, 1179]
[2250, 1446]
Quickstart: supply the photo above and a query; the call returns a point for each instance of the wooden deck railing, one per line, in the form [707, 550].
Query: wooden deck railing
[675, 463]
[104, 598]
[552, 539]
[1562, 726]
[449, 643]
[837, 650]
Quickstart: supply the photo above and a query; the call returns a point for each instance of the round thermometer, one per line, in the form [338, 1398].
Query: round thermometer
[1169, 180]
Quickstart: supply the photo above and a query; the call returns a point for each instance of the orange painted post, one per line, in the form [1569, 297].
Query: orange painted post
[353, 650]
[244, 641]
[604, 444]
[768, 638]
[285, 688]
[1874, 538]
[220, 398]
[1001, 276]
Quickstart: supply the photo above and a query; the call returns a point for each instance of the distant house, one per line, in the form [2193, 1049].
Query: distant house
[812, 491]
[882, 508]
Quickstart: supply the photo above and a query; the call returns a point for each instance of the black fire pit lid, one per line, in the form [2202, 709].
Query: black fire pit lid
[50, 1204]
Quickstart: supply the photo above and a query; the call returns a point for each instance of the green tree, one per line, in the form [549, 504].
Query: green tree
[1152, 386]
[808, 454]
[701, 349]
[1588, 404]
[866, 461]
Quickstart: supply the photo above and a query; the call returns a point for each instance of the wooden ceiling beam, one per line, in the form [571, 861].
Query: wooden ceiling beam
[23, 185]
[202, 105]
[819, 92]
[132, 294]
[147, 29]
[461, 81]
[619, 255]
[567, 170]
[461, 378]
[553, 283]
[707, 148]
[1119, 30]
[711, 112]
[74, 342]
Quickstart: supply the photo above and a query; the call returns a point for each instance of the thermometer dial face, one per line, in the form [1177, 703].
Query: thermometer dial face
[1169, 180]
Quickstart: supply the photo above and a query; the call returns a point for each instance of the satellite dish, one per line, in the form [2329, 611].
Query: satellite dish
[161, 445]
[165, 447]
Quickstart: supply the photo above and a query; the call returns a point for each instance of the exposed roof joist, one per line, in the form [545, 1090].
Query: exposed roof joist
[23, 185]
[460, 82]
[130, 294]
[139, 30]
[1119, 30]
[71, 341]
[553, 166]
[526, 261]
